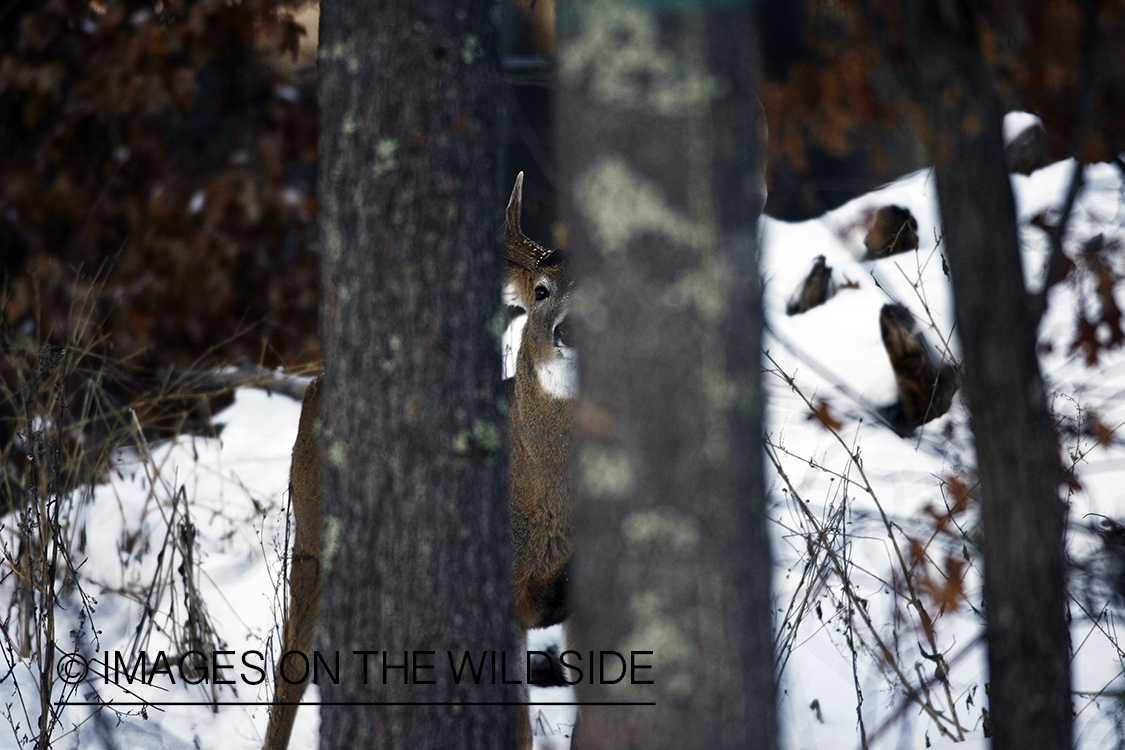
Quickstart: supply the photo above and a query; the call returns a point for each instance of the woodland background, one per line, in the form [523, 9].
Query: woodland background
[158, 159]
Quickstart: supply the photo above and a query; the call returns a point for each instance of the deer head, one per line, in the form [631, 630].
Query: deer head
[537, 283]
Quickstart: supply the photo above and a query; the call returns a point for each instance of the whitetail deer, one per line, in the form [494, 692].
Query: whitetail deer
[540, 396]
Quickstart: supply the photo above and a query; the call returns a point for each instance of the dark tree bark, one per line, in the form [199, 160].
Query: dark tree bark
[1021, 513]
[414, 480]
[659, 135]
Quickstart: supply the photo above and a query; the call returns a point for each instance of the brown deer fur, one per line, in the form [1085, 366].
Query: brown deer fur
[304, 570]
[540, 489]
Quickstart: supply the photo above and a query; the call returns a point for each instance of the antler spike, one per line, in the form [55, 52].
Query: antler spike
[519, 249]
[515, 208]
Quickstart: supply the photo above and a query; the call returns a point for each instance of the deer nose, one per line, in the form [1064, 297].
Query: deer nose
[563, 334]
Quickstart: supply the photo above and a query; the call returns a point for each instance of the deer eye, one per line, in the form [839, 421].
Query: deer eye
[542, 292]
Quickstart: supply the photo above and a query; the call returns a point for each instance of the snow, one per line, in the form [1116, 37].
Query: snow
[866, 490]
[834, 353]
[1017, 122]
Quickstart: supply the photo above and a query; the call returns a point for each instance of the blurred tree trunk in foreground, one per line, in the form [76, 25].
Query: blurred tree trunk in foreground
[415, 501]
[660, 142]
[1018, 466]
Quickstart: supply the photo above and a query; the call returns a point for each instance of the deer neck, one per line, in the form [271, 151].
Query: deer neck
[544, 396]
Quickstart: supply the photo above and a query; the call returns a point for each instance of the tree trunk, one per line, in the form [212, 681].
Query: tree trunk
[1022, 516]
[416, 535]
[659, 135]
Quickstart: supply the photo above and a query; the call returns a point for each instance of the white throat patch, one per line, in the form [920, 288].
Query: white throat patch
[559, 377]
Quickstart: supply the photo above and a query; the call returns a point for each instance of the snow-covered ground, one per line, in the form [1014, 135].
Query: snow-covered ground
[853, 509]
[850, 632]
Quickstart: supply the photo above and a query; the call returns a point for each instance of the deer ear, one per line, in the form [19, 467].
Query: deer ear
[515, 207]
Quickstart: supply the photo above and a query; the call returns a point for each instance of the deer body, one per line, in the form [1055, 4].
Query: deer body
[304, 571]
[539, 511]
[539, 484]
